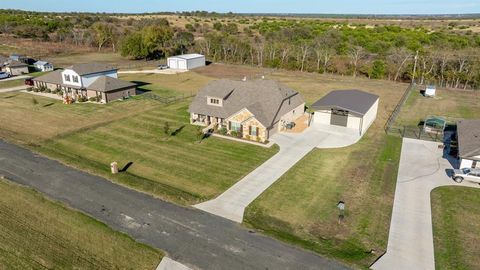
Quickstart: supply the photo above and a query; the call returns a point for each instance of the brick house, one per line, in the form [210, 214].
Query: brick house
[252, 110]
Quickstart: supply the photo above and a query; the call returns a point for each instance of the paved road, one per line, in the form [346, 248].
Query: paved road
[410, 242]
[293, 147]
[194, 238]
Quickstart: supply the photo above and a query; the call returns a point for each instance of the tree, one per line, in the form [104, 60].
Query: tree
[378, 70]
[356, 54]
[150, 42]
[397, 60]
[103, 33]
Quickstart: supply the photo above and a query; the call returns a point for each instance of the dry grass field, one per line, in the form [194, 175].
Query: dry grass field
[456, 222]
[450, 104]
[36, 233]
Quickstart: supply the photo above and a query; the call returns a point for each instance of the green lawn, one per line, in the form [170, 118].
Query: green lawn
[301, 207]
[177, 168]
[36, 233]
[450, 104]
[11, 83]
[456, 226]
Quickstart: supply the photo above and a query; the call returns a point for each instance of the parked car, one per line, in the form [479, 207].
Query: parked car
[162, 67]
[472, 175]
[4, 75]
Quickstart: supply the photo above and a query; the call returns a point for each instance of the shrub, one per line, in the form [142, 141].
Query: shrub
[94, 99]
[234, 133]
[48, 90]
[223, 131]
[258, 139]
[247, 137]
[29, 89]
[82, 99]
[36, 90]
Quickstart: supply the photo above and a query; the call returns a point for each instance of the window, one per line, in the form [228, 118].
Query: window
[67, 77]
[235, 126]
[214, 101]
[253, 130]
[75, 79]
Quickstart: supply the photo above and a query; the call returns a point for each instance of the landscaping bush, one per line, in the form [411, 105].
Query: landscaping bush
[29, 89]
[36, 90]
[82, 99]
[223, 131]
[48, 90]
[94, 99]
[234, 133]
[247, 137]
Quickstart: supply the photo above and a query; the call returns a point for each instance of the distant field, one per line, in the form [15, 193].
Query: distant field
[456, 223]
[36, 233]
[450, 104]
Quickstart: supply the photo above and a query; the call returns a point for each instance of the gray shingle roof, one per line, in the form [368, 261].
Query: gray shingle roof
[108, 84]
[468, 132]
[355, 101]
[90, 68]
[14, 64]
[266, 99]
[54, 77]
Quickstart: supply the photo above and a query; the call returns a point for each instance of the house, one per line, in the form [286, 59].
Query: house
[186, 61]
[353, 109]
[19, 58]
[16, 68]
[43, 66]
[90, 80]
[3, 63]
[248, 109]
[468, 135]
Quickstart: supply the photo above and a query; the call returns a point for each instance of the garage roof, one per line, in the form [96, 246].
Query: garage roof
[188, 56]
[354, 101]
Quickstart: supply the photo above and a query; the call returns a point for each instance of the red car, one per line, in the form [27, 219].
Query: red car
[29, 82]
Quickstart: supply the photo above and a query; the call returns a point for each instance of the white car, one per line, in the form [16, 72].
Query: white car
[472, 175]
[4, 75]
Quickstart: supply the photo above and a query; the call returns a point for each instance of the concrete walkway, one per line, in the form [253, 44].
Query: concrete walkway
[293, 147]
[410, 242]
[169, 264]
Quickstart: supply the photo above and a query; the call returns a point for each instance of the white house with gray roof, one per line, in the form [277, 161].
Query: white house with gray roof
[249, 109]
[90, 80]
[353, 109]
[43, 66]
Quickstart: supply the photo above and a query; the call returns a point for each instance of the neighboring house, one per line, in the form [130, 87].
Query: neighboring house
[353, 109]
[43, 66]
[19, 58]
[16, 68]
[186, 61]
[253, 109]
[3, 63]
[468, 134]
[88, 80]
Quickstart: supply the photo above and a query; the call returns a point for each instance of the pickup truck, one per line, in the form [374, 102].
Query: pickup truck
[472, 175]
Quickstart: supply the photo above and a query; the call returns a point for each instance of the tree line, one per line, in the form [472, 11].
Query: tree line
[443, 57]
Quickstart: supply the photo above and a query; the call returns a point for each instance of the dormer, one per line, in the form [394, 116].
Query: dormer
[215, 101]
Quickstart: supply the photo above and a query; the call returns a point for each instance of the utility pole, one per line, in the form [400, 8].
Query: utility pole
[414, 67]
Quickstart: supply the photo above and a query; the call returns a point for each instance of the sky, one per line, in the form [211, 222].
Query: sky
[253, 6]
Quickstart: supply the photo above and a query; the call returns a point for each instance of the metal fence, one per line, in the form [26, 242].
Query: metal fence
[166, 100]
[415, 133]
[393, 117]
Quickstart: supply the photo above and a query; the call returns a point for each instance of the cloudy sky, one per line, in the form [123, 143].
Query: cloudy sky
[254, 6]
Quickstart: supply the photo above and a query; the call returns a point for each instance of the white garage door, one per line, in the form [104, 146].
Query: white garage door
[173, 63]
[182, 64]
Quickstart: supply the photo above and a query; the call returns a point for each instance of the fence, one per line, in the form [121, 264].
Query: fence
[415, 133]
[166, 100]
[393, 117]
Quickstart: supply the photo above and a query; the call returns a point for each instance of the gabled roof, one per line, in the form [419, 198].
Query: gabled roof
[90, 68]
[54, 77]
[41, 63]
[188, 56]
[354, 101]
[14, 64]
[266, 99]
[108, 84]
[468, 132]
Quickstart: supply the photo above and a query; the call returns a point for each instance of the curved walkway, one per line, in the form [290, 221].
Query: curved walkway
[293, 147]
[410, 242]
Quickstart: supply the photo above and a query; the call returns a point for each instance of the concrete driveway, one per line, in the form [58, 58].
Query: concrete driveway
[293, 147]
[410, 242]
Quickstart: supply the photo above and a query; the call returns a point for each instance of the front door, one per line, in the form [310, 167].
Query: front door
[339, 118]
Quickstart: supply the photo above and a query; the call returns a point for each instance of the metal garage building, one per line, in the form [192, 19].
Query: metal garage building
[186, 61]
[353, 109]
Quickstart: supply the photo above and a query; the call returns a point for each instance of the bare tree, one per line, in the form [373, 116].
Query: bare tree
[398, 58]
[356, 54]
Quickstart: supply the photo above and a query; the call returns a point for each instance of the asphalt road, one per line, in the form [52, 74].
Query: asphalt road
[195, 238]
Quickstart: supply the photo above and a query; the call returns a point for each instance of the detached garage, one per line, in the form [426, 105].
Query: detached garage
[186, 61]
[353, 109]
